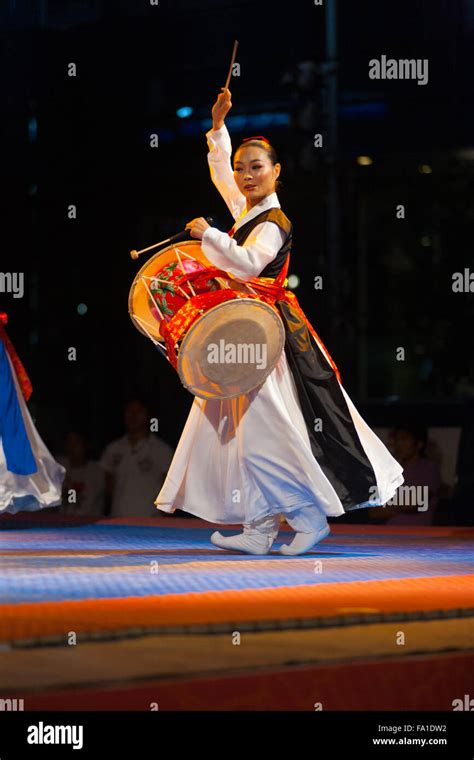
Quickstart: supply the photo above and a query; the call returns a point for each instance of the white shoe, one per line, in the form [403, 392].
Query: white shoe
[256, 538]
[303, 542]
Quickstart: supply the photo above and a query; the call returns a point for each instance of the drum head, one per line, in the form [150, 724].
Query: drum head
[143, 316]
[231, 349]
[139, 307]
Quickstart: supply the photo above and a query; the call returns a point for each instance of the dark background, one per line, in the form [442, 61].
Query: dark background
[85, 141]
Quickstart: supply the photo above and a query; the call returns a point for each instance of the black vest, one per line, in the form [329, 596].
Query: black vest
[338, 448]
[277, 216]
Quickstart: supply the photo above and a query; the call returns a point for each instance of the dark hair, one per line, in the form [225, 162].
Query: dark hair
[418, 432]
[79, 431]
[81, 434]
[269, 150]
[136, 400]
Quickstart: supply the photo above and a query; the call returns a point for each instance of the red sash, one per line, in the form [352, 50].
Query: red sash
[268, 290]
[274, 291]
[20, 371]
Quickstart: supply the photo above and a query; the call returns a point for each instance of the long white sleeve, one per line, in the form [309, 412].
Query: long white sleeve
[243, 261]
[222, 175]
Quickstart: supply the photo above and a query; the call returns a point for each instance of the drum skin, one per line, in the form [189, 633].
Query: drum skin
[139, 307]
[231, 349]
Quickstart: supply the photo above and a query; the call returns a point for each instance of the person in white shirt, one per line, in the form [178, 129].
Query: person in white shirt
[84, 485]
[135, 465]
[296, 446]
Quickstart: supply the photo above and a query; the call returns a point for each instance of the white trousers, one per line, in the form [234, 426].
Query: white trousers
[303, 520]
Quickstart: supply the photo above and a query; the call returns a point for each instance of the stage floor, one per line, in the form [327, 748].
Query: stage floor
[155, 599]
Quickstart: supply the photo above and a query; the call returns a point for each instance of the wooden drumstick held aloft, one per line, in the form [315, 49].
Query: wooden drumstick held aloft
[173, 239]
[136, 254]
[234, 53]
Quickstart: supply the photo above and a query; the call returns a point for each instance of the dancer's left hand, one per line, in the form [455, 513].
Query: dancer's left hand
[197, 227]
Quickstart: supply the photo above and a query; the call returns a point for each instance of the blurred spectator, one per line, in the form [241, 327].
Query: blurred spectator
[135, 465]
[84, 476]
[409, 443]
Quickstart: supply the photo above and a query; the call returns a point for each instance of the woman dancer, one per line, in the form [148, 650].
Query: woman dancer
[30, 478]
[296, 446]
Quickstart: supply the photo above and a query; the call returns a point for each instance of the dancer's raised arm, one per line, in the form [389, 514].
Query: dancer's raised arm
[220, 151]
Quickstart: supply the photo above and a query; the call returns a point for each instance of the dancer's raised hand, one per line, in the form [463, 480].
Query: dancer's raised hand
[221, 108]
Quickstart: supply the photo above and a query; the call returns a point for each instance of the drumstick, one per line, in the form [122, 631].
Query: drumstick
[234, 52]
[136, 254]
[174, 238]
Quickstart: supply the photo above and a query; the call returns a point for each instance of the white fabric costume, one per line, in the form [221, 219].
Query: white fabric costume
[28, 493]
[247, 458]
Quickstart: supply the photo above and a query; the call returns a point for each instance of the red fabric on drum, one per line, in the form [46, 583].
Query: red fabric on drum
[174, 330]
[267, 291]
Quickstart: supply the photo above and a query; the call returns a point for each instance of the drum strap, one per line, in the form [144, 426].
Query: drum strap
[280, 280]
[274, 289]
[268, 289]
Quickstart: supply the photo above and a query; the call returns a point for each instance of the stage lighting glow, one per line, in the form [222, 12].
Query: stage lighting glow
[32, 129]
[184, 112]
[293, 281]
[425, 169]
[364, 160]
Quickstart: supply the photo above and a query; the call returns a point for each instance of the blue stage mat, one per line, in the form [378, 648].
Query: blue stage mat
[110, 561]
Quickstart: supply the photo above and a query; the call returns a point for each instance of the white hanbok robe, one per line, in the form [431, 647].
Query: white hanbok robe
[243, 458]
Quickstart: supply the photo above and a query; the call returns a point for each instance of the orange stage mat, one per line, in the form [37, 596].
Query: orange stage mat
[272, 604]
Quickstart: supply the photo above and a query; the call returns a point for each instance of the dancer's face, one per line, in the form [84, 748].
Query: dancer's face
[255, 174]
